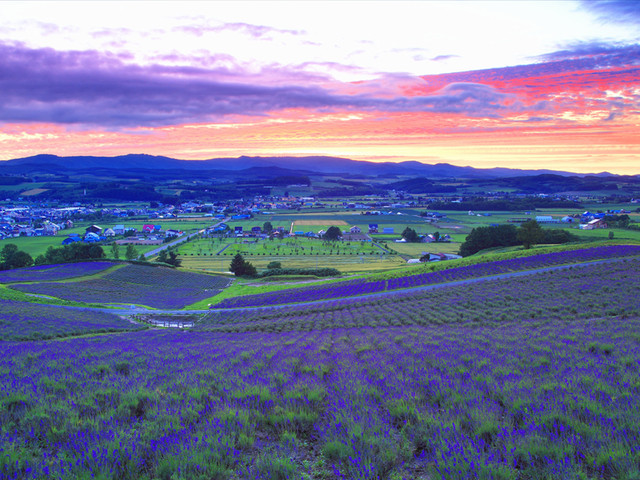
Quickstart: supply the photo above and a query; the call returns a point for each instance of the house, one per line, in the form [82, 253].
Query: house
[593, 224]
[148, 228]
[119, 230]
[373, 228]
[93, 229]
[567, 219]
[355, 229]
[173, 233]
[109, 233]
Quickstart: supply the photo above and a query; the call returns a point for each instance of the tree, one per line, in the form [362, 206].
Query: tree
[162, 257]
[8, 251]
[410, 235]
[273, 265]
[115, 251]
[332, 233]
[11, 257]
[530, 233]
[174, 260]
[240, 267]
[267, 227]
[436, 236]
[131, 252]
[481, 238]
[611, 235]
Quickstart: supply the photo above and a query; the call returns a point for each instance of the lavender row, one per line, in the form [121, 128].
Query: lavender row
[49, 273]
[345, 289]
[157, 287]
[515, 264]
[305, 294]
[29, 321]
[545, 400]
[600, 290]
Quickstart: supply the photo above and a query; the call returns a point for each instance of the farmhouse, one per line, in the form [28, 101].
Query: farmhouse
[593, 224]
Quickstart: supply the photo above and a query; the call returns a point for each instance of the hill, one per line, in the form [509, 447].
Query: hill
[319, 164]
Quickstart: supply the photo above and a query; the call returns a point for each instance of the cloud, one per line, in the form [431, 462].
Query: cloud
[614, 11]
[91, 88]
[442, 58]
[596, 54]
[255, 31]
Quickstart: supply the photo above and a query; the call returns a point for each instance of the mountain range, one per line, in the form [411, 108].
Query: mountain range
[300, 165]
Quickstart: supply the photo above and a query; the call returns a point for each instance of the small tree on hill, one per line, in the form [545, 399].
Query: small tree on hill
[530, 233]
[174, 260]
[240, 267]
[267, 227]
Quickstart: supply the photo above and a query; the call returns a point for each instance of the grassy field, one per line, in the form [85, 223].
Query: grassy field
[347, 264]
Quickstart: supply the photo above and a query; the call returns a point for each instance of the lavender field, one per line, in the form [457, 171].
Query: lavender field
[520, 400]
[363, 286]
[30, 321]
[157, 287]
[49, 273]
[535, 377]
[599, 290]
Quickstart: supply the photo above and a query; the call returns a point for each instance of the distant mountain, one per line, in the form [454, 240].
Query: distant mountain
[318, 164]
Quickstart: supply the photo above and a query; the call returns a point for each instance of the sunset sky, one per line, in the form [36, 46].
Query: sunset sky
[538, 84]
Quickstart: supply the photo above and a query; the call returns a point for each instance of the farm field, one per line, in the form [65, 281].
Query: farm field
[284, 247]
[214, 255]
[157, 287]
[346, 264]
[535, 377]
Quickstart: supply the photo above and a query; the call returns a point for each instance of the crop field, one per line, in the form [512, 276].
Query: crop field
[350, 288]
[416, 250]
[28, 321]
[346, 264]
[214, 255]
[157, 287]
[46, 273]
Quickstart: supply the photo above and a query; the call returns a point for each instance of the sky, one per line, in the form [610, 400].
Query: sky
[517, 84]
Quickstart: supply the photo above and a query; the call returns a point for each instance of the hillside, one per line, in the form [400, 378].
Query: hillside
[527, 369]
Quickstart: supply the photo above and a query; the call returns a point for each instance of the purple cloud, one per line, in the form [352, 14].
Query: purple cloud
[91, 88]
[441, 58]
